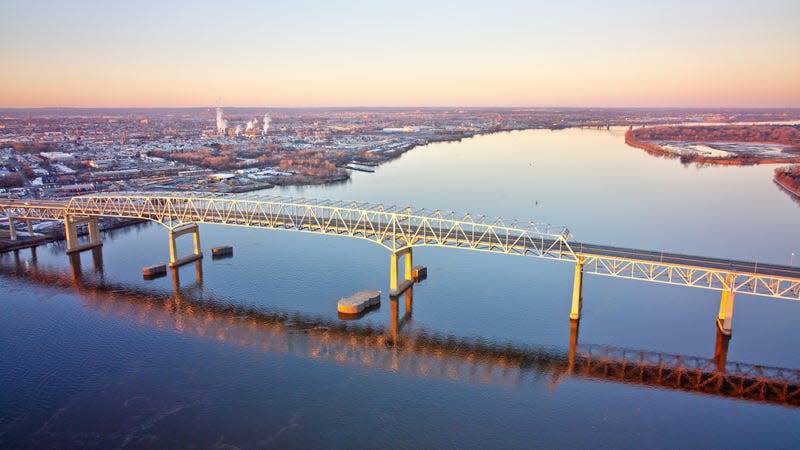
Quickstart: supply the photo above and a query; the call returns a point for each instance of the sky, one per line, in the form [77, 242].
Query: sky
[401, 53]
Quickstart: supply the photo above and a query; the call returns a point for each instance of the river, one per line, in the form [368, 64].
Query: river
[253, 354]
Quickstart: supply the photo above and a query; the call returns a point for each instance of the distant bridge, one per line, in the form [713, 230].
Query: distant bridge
[401, 229]
[188, 310]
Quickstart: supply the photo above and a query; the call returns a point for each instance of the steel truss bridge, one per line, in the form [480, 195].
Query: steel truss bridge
[191, 311]
[399, 229]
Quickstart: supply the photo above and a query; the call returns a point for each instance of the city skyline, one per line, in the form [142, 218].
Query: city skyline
[337, 54]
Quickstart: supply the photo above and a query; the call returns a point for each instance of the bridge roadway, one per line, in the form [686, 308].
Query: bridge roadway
[190, 310]
[401, 229]
[494, 240]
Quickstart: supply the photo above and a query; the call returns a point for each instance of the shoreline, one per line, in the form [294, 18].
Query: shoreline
[789, 183]
[736, 160]
[7, 245]
[795, 193]
[377, 162]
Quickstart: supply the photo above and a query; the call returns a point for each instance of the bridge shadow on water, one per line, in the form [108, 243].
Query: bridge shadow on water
[189, 309]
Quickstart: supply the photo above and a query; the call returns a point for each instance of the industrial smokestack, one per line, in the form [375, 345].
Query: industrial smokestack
[266, 124]
[222, 124]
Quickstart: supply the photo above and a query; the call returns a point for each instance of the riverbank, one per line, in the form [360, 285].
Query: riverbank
[377, 159]
[23, 242]
[789, 179]
[786, 137]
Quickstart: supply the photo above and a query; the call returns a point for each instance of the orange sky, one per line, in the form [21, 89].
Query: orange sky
[333, 54]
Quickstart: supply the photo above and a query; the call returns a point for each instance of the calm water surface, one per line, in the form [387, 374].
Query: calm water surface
[250, 352]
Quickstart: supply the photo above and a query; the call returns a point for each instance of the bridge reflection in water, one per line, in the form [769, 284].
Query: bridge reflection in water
[188, 309]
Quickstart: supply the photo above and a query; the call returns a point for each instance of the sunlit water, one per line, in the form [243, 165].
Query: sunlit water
[256, 355]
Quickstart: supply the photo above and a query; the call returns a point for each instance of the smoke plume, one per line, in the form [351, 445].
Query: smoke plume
[266, 124]
[222, 124]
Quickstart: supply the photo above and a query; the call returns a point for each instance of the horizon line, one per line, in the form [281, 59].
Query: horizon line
[414, 107]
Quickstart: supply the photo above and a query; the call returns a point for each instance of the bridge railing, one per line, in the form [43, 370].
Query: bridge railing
[396, 228]
[390, 226]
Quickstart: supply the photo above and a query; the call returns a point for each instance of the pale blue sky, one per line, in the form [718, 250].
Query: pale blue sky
[579, 53]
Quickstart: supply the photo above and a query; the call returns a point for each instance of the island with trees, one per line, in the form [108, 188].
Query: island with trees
[720, 144]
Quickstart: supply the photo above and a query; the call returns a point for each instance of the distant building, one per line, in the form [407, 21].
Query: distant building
[102, 163]
[83, 187]
[217, 177]
[57, 156]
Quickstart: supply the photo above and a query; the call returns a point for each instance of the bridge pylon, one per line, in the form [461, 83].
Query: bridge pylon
[12, 231]
[174, 234]
[725, 316]
[577, 291]
[396, 288]
[71, 224]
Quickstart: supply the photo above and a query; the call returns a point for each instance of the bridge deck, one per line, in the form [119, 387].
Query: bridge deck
[396, 228]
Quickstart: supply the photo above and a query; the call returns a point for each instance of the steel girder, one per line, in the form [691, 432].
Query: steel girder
[395, 229]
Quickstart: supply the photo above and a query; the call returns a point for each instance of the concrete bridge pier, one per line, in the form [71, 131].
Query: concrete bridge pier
[71, 224]
[725, 316]
[29, 222]
[175, 233]
[396, 288]
[12, 231]
[577, 294]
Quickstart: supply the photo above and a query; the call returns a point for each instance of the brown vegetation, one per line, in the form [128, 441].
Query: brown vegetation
[210, 158]
[764, 134]
[12, 180]
[308, 166]
[789, 178]
[33, 147]
[649, 147]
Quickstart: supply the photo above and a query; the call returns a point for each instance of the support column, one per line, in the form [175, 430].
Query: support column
[725, 316]
[12, 231]
[395, 286]
[71, 233]
[577, 295]
[29, 222]
[173, 249]
[175, 233]
[196, 240]
[393, 272]
[94, 231]
[409, 263]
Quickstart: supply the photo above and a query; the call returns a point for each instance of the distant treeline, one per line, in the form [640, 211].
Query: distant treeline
[305, 164]
[766, 134]
[789, 178]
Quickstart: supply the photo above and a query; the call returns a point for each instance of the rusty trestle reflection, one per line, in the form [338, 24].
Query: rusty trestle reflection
[190, 310]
